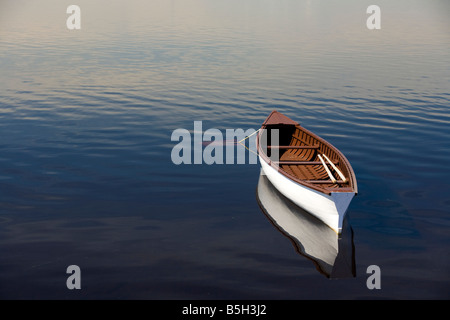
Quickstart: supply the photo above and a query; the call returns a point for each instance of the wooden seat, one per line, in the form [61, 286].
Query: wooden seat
[294, 147]
[301, 163]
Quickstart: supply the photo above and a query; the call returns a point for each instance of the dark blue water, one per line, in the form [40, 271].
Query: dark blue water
[86, 118]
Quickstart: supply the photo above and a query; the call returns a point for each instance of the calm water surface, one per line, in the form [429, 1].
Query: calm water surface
[86, 118]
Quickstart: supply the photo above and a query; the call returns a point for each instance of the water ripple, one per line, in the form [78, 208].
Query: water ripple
[86, 119]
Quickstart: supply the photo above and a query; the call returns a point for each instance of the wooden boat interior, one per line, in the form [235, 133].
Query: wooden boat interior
[305, 158]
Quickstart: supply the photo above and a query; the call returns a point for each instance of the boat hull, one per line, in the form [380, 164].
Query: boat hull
[330, 208]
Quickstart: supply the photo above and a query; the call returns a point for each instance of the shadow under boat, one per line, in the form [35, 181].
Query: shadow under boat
[332, 254]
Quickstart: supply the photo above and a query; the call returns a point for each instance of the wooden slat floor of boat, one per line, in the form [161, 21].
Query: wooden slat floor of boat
[299, 159]
[315, 174]
[298, 154]
[301, 149]
[304, 172]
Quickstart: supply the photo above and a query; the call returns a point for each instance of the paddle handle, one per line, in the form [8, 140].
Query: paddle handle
[326, 168]
[336, 169]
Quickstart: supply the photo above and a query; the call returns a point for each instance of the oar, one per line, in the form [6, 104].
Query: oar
[326, 168]
[336, 169]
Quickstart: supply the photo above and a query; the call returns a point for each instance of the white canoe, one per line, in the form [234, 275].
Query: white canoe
[332, 254]
[306, 169]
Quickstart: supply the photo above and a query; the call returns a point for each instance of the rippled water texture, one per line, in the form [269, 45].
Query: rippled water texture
[86, 118]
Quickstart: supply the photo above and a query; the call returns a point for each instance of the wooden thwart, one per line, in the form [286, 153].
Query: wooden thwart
[293, 147]
[325, 181]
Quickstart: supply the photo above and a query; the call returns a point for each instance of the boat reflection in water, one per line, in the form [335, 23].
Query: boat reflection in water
[332, 254]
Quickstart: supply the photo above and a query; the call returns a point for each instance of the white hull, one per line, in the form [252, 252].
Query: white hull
[330, 209]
